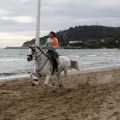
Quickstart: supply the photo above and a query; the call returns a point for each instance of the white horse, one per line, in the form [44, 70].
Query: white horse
[43, 66]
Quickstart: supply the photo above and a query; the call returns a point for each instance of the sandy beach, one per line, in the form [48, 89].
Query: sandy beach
[88, 95]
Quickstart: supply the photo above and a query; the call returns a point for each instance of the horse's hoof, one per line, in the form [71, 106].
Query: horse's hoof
[60, 85]
[53, 91]
[33, 84]
[53, 84]
[69, 89]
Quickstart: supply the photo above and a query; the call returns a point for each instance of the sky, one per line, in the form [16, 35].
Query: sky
[18, 17]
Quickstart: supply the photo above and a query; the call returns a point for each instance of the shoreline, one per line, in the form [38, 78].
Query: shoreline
[16, 48]
[12, 78]
[70, 72]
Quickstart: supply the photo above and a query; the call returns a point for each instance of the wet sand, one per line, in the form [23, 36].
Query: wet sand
[90, 95]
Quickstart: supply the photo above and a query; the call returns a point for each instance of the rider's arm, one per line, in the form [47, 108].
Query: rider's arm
[48, 42]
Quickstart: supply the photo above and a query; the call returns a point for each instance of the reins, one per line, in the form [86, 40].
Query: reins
[34, 52]
[38, 56]
[41, 67]
[41, 51]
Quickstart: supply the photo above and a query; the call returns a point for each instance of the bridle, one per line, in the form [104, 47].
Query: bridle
[33, 48]
[34, 52]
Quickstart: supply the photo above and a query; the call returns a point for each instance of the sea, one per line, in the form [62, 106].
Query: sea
[13, 62]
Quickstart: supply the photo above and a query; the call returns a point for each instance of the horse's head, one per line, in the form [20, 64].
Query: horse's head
[34, 52]
[31, 53]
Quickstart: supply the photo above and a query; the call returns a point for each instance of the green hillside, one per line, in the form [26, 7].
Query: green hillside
[89, 37]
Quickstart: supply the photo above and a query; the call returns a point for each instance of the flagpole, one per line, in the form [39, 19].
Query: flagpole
[37, 42]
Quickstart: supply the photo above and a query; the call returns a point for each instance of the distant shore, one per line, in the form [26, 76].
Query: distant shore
[60, 48]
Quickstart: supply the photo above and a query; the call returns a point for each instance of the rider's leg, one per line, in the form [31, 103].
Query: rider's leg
[55, 64]
[53, 56]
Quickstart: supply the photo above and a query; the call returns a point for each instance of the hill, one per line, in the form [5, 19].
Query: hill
[89, 36]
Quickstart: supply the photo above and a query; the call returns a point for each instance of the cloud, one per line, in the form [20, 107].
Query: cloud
[19, 19]
[23, 19]
[4, 12]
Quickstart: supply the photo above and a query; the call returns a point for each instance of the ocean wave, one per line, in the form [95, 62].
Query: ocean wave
[13, 63]
[105, 53]
[91, 55]
[110, 54]
[11, 60]
[97, 63]
[113, 53]
[7, 74]
[77, 56]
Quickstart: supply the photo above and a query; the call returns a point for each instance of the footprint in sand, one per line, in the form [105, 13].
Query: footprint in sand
[105, 79]
[11, 93]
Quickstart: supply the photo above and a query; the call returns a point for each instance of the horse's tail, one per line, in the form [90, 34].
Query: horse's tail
[75, 64]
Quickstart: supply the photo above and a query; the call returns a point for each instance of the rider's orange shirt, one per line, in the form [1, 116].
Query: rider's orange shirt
[55, 42]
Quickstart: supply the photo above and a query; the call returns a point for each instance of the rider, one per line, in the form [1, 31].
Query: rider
[51, 45]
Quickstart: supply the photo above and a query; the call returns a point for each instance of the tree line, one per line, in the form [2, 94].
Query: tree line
[93, 36]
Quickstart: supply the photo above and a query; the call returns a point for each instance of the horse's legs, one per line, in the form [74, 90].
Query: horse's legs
[47, 81]
[33, 84]
[32, 80]
[66, 74]
[35, 79]
[59, 82]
